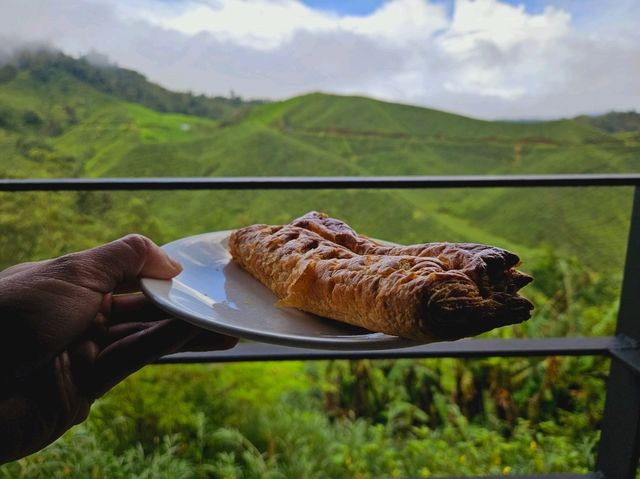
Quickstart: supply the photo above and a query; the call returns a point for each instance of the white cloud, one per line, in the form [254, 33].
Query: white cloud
[261, 24]
[489, 59]
[499, 49]
[268, 24]
[400, 22]
[490, 21]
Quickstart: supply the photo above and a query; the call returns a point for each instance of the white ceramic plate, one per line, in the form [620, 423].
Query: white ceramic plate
[216, 294]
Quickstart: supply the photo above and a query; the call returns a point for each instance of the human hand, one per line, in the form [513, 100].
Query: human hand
[66, 339]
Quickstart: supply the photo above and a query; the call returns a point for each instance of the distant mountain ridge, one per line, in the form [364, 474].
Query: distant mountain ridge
[120, 82]
[129, 85]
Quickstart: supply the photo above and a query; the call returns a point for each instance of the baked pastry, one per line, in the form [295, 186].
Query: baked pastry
[427, 292]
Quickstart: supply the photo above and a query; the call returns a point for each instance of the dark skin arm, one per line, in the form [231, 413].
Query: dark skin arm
[66, 339]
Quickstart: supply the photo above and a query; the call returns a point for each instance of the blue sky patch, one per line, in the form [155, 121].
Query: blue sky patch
[366, 7]
[350, 7]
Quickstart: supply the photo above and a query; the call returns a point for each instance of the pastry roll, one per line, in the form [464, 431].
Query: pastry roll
[427, 292]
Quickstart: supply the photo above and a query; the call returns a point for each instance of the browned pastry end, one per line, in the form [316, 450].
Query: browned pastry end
[428, 292]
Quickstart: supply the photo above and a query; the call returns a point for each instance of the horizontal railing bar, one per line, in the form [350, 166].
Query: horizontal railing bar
[465, 348]
[316, 182]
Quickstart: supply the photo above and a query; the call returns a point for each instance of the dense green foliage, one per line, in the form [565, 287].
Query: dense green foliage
[61, 117]
[208, 421]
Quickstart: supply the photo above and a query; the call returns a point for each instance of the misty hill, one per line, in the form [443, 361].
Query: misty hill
[95, 71]
[55, 121]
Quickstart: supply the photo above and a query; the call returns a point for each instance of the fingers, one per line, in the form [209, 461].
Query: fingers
[128, 286]
[121, 261]
[209, 341]
[82, 356]
[123, 330]
[129, 353]
[133, 312]
[132, 308]
[136, 255]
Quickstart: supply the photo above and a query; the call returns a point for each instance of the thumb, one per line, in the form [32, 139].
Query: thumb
[104, 267]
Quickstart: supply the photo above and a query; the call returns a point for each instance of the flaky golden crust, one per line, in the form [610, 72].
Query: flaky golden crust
[428, 292]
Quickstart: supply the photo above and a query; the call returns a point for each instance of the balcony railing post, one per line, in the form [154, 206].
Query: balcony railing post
[619, 446]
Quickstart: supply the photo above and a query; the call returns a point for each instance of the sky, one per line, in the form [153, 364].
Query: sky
[491, 59]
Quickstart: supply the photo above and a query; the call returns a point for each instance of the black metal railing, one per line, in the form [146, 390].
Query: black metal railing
[619, 446]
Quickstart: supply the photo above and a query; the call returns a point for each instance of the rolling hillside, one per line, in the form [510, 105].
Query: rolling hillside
[336, 115]
[61, 124]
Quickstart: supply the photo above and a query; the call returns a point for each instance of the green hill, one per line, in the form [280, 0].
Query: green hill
[340, 116]
[68, 122]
